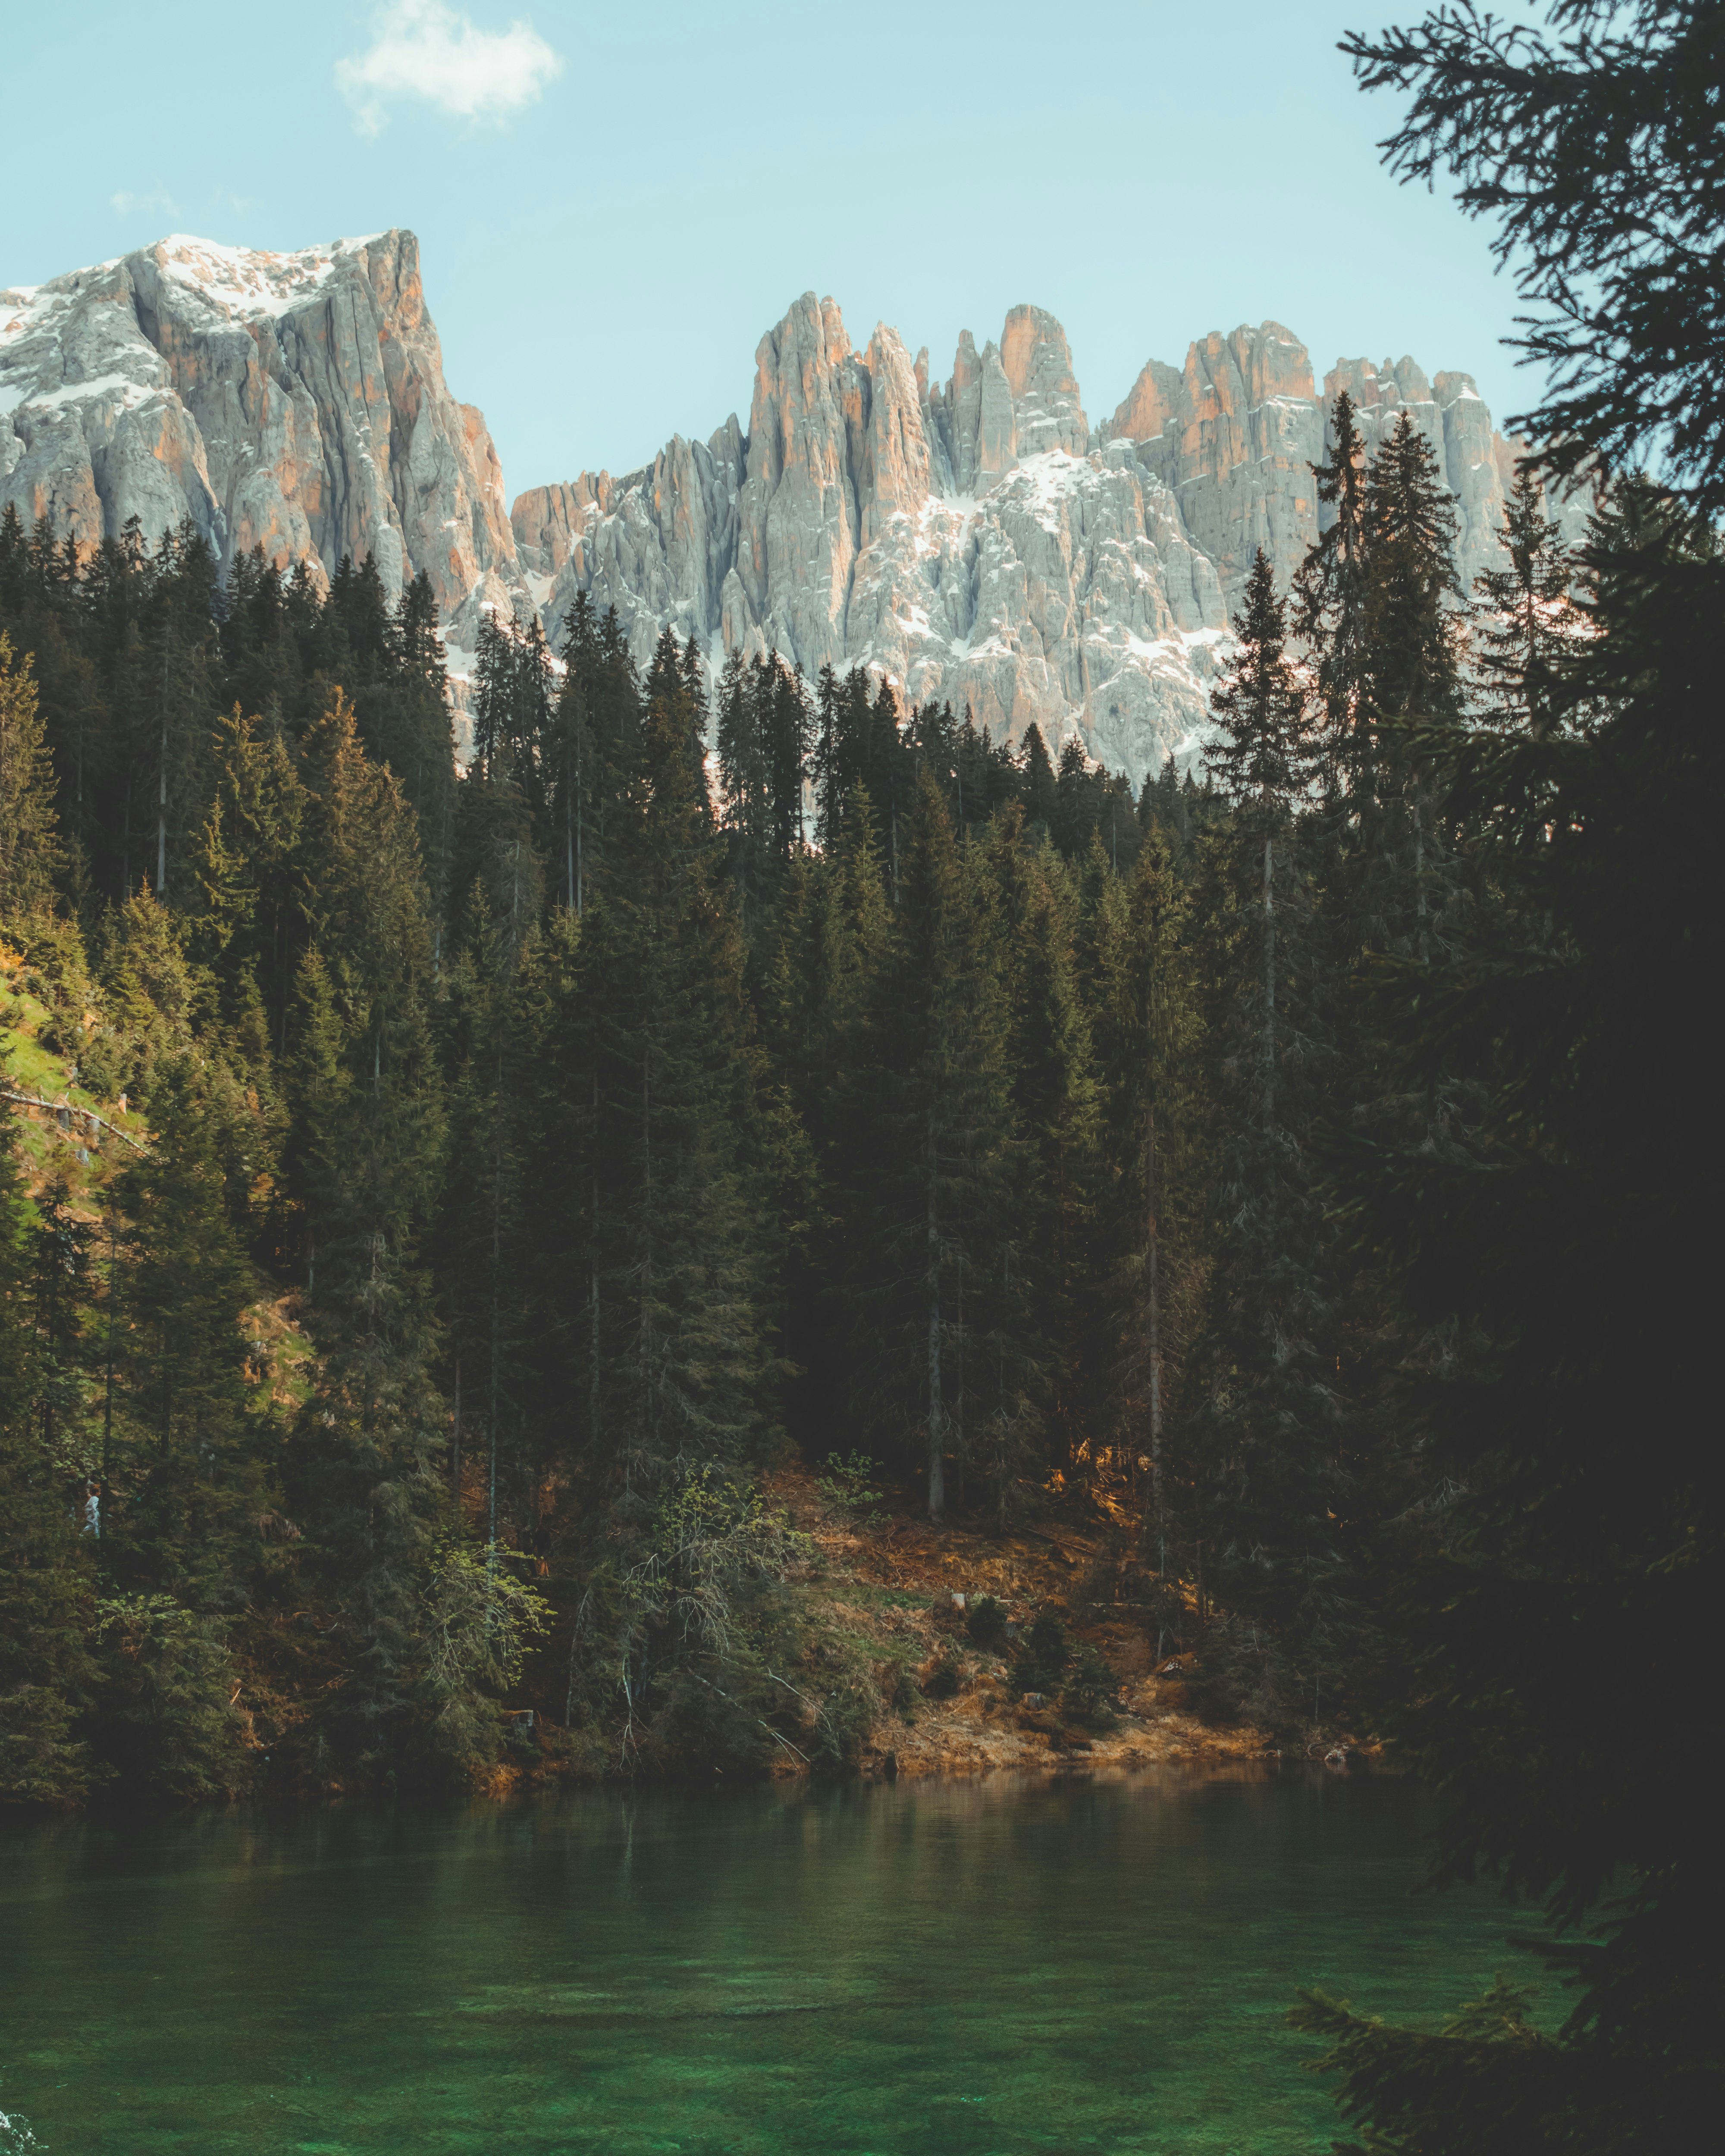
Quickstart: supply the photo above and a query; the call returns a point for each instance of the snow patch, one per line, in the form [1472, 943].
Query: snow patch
[247, 283]
[120, 387]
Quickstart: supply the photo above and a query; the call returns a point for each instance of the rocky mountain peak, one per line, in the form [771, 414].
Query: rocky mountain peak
[972, 538]
[1038, 365]
[295, 401]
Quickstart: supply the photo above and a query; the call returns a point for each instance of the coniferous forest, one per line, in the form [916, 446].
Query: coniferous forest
[434, 1200]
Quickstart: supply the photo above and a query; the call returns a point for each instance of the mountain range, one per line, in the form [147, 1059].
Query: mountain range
[977, 539]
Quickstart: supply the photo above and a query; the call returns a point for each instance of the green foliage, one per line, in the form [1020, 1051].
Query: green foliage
[1592, 145]
[1485, 2081]
[44, 1664]
[1043, 1655]
[985, 1621]
[1088, 1687]
[1536, 1085]
[943, 1680]
[164, 1721]
[478, 1625]
[848, 1486]
[29, 842]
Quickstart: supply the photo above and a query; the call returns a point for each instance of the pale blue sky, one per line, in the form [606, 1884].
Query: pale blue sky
[614, 204]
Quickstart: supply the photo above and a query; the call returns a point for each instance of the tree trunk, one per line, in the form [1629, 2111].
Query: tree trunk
[936, 1418]
[455, 1448]
[1419, 869]
[1268, 976]
[161, 819]
[593, 1291]
[1152, 1257]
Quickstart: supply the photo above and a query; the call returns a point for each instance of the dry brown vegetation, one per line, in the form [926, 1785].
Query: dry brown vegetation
[893, 1585]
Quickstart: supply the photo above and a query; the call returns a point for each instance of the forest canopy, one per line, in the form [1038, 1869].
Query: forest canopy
[437, 1198]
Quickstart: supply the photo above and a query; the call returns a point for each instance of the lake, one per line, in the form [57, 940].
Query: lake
[932, 1968]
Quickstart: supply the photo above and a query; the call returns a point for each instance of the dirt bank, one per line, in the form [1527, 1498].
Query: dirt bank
[894, 1582]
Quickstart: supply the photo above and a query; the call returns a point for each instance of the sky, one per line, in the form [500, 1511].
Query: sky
[614, 203]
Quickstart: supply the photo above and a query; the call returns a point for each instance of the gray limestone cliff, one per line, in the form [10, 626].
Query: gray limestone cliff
[293, 402]
[976, 539]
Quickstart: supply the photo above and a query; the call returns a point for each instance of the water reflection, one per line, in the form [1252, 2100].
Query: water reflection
[924, 1966]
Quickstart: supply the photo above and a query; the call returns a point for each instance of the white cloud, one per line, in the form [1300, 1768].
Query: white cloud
[158, 199]
[421, 48]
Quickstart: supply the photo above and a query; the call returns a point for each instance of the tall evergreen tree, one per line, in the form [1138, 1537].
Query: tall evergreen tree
[30, 838]
[931, 1114]
[45, 1673]
[662, 1242]
[1412, 688]
[1525, 620]
[1053, 1114]
[1264, 1411]
[194, 1479]
[1142, 986]
[1330, 597]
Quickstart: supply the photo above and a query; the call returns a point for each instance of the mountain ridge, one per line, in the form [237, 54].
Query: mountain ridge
[975, 539]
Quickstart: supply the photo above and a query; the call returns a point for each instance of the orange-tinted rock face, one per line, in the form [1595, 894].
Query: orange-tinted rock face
[1154, 400]
[291, 402]
[971, 539]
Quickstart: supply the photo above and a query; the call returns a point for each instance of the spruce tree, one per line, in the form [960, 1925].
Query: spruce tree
[747, 813]
[1329, 592]
[248, 904]
[1038, 784]
[29, 838]
[1411, 686]
[1053, 1116]
[1524, 618]
[819, 976]
[192, 1475]
[1263, 1410]
[930, 1112]
[364, 1474]
[1566, 1521]
[45, 1673]
[1143, 985]
[654, 1198]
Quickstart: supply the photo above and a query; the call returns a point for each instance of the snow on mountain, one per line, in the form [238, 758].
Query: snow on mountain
[295, 401]
[976, 540]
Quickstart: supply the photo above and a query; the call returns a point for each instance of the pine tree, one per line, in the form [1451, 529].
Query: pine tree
[1329, 592]
[652, 1204]
[363, 1475]
[1053, 1114]
[1037, 781]
[1263, 765]
[1077, 801]
[1263, 1412]
[828, 937]
[1143, 987]
[1566, 1516]
[482, 1255]
[193, 1476]
[747, 816]
[29, 841]
[250, 905]
[930, 1112]
[595, 734]
[788, 729]
[45, 1671]
[1411, 692]
[1524, 619]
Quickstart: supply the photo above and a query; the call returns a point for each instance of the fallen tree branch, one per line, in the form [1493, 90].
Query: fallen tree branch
[66, 1108]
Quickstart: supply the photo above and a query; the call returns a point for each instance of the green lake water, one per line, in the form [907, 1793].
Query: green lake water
[949, 1969]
